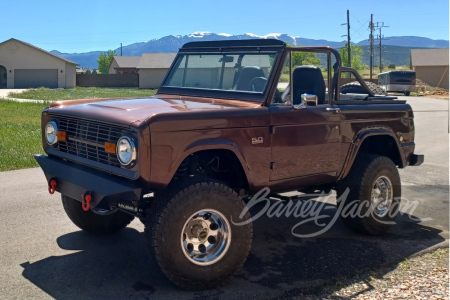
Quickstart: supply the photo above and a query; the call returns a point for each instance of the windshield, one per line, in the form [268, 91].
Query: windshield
[402, 77]
[224, 72]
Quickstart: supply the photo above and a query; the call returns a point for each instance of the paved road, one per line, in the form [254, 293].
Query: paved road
[43, 255]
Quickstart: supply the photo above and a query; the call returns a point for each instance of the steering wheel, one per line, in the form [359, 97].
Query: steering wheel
[286, 93]
[282, 97]
[258, 84]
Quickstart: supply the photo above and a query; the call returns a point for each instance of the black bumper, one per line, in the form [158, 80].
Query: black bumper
[416, 159]
[75, 181]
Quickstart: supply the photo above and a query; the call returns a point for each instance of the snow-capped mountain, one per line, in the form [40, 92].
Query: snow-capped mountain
[172, 43]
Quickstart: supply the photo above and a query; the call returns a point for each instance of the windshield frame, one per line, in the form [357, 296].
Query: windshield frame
[225, 94]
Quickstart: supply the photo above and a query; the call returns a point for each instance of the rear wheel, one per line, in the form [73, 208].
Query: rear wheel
[95, 221]
[191, 235]
[374, 191]
[356, 88]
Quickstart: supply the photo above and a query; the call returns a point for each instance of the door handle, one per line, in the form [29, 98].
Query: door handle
[336, 109]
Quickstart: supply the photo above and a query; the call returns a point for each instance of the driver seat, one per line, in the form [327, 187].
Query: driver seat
[246, 75]
[308, 80]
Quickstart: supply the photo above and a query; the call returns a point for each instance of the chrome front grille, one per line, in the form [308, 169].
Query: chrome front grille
[87, 139]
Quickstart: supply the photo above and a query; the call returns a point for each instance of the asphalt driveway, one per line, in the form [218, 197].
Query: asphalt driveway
[43, 255]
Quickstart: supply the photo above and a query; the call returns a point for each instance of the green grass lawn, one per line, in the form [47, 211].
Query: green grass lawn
[20, 134]
[80, 93]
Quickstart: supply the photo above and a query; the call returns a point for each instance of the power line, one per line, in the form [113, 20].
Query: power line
[359, 28]
[231, 23]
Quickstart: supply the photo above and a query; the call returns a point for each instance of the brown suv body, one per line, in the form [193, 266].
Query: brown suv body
[270, 146]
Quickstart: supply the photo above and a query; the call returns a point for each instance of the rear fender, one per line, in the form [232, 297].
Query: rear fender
[358, 140]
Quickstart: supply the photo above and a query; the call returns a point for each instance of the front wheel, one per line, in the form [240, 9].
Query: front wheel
[96, 222]
[369, 196]
[191, 235]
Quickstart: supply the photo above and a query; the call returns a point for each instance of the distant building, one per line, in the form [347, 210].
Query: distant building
[153, 68]
[23, 65]
[431, 66]
[124, 64]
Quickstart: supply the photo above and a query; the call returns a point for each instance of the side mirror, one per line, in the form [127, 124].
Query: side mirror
[309, 99]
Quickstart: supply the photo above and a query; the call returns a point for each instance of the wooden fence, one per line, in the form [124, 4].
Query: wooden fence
[108, 80]
[132, 80]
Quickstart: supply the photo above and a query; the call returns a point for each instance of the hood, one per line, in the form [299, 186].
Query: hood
[137, 111]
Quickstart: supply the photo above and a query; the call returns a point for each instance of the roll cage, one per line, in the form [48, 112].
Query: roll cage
[260, 47]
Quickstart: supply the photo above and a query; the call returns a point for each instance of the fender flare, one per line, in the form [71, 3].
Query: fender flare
[215, 144]
[358, 140]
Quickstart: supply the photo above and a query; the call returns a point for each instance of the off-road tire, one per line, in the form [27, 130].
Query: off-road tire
[164, 225]
[356, 88]
[360, 181]
[93, 222]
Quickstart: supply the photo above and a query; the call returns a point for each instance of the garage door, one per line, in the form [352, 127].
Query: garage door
[24, 78]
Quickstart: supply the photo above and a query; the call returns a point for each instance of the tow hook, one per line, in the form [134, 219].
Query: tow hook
[86, 204]
[52, 186]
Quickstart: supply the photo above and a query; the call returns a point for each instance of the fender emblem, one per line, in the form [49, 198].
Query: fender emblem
[257, 140]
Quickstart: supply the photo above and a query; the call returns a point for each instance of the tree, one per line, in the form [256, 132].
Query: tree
[304, 58]
[88, 72]
[104, 60]
[356, 55]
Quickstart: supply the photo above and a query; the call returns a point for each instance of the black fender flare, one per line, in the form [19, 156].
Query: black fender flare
[358, 140]
[216, 144]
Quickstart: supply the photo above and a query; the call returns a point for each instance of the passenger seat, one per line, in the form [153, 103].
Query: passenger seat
[308, 80]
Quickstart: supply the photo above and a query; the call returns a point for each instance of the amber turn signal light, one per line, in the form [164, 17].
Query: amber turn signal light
[110, 147]
[61, 135]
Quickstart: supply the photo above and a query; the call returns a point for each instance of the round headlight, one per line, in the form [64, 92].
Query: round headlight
[51, 130]
[126, 150]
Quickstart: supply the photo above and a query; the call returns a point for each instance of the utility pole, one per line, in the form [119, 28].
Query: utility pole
[371, 44]
[380, 37]
[348, 39]
[349, 64]
[120, 49]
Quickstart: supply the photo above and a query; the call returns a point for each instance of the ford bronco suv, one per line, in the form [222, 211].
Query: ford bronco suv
[229, 119]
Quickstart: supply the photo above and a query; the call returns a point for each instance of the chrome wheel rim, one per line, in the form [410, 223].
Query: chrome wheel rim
[206, 237]
[382, 196]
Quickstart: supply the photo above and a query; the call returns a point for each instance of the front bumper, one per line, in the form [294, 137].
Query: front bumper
[416, 159]
[75, 181]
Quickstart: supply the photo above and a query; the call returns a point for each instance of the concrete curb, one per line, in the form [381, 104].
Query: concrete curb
[26, 100]
[441, 245]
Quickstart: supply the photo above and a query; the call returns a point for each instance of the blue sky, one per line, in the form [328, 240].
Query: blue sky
[80, 26]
